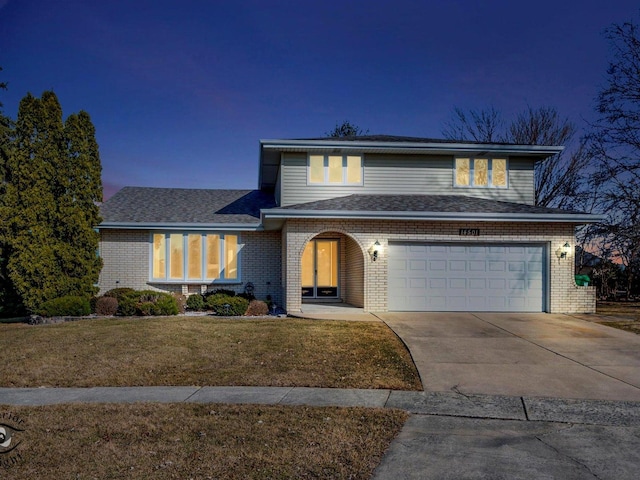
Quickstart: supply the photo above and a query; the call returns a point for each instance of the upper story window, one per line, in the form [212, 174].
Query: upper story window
[177, 256]
[334, 170]
[481, 172]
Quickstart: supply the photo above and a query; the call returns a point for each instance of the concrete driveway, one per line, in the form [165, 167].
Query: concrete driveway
[540, 355]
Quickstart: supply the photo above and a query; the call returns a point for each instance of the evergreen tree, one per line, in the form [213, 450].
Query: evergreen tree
[80, 190]
[52, 183]
[10, 302]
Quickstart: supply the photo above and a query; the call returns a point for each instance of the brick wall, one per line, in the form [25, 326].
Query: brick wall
[564, 295]
[354, 273]
[126, 264]
[271, 260]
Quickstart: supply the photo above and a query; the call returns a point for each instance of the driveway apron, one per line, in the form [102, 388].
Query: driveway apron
[541, 355]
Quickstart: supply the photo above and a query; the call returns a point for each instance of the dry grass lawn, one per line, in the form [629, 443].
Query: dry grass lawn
[205, 351]
[622, 315]
[146, 441]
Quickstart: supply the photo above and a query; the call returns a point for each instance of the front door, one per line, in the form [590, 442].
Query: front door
[320, 269]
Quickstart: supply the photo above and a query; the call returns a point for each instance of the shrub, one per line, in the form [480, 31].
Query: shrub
[166, 305]
[120, 292]
[257, 308]
[247, 296]
[127, 306]
[106, 306]
[225, 305]
[219, 291]
[196, 302]
[146, 309]
[93, 301]
[69, 306]
[146, 302]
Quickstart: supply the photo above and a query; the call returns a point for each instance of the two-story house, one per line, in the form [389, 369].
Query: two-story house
[384, 223]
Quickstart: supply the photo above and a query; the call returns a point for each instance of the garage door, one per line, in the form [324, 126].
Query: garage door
[464, 277]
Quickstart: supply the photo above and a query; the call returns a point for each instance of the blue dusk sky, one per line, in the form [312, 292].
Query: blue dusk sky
[181, 91]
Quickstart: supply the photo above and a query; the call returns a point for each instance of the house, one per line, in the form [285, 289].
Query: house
[385, 223]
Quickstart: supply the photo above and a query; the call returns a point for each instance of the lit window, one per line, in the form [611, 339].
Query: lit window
[159, 255]
[335, 170]
[194, 257]
[481, 172]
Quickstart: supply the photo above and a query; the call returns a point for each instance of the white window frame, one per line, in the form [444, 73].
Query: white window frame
[185, 260]
[326, 169]
[472, 159]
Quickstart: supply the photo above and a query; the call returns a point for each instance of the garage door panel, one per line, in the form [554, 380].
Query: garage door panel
[516, 266]
[437, 265]
[417, 265]
[466, 277]
[497, 266]
[457, 266]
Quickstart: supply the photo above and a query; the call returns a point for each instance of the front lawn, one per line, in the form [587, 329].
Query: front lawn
[143, 441]
[622, 315]
[205, 351]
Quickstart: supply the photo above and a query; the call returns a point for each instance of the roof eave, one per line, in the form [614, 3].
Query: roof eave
[578, 218]
[537, 150]
[249, 227]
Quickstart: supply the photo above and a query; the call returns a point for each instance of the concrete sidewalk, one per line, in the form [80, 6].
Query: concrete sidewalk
[448, 436]
[593, 412]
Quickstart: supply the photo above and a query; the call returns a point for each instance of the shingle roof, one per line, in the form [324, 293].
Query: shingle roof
[422, 203]
[185, 206]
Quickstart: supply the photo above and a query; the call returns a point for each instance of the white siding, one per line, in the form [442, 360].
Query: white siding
[406, 174]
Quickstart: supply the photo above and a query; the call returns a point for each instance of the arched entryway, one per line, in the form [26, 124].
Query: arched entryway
[332, 270]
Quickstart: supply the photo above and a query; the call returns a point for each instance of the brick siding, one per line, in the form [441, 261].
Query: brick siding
[271, 260]
[126, 256]
[564, 295]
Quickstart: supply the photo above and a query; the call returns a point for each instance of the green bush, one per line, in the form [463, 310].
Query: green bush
[69, 306]
[146, 309]
[146, 302]
[225, 305]
[127, 305]
[106, 306]
[167, 305]
[196, 302]
[120, 292]
[93, 301]
[219, 291]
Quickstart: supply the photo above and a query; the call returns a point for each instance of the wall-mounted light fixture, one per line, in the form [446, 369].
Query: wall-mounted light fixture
[563, 251]
[374, 251]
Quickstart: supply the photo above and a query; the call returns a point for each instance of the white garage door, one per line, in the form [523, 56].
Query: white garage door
[464, 277]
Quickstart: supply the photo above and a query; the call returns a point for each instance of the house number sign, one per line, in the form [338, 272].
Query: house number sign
[469, 232]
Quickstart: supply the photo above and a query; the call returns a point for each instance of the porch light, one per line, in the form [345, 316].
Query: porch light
[564, 250]
[375, 250]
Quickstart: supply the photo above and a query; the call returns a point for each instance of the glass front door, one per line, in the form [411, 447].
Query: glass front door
[320, 269]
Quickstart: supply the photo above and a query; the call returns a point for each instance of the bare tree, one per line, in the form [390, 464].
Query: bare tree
[615, 144]
[346, 129]
[484, 125]
[559, 179]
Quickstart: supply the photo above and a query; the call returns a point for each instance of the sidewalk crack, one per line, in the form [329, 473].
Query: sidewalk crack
[187, 399]
[563, 454]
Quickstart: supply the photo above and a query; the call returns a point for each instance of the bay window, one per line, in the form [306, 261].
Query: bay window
[194, 257]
